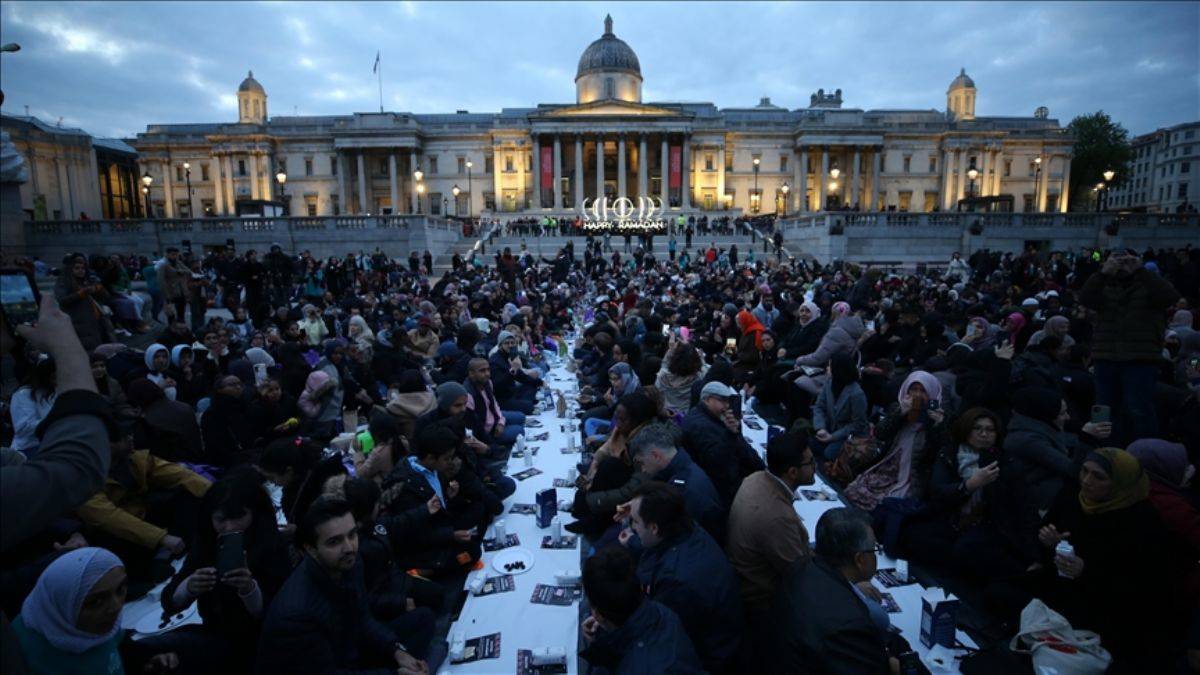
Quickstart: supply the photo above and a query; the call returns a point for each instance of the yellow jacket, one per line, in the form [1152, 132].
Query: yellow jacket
[119, 511]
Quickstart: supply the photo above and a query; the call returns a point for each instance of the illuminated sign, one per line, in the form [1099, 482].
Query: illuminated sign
[623, 214]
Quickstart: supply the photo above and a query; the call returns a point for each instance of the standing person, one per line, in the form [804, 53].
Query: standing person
[80, 294]
[671, 245]
[1130, 302]
[173, 278]
[320, 621]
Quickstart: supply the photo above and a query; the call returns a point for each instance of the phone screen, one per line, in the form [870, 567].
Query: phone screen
[666, 330]
[19, 297]
[1101, 413]
[731, 343]
[231, 552]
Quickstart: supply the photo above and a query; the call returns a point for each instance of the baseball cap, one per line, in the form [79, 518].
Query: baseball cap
[717, 389]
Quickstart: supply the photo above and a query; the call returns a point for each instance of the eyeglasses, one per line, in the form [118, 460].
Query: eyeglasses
[877, 549]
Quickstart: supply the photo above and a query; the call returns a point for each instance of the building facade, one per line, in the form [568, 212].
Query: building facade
[63, 174]
[1161, 172]
[609, 143]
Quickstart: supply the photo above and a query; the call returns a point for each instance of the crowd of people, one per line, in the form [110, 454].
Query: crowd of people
[974, 419]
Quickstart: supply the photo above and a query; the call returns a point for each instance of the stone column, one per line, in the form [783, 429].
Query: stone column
[1064, 193]
[687, 173]
[821, 178]
[1044, 179]
[984, 184]
[721, 176]
[537, 173]
[254, 184]
[961, 176]
[643, 184]
[362, 184]
[621, 192]
[876, 166]
[267, 176]
[414, 198]
[664, 171]
[855, 198]
[998, 170]
[214, 168]
[230, 193]
[168, 190]
[578, 173]
[394, 183]
[557, 173]
[801, 188]
[945, 193]
[599, 167]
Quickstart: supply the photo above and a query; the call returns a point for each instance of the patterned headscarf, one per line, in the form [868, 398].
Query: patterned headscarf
[52, 609]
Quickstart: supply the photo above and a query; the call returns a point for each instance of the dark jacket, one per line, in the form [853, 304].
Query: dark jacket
[822, 626]
[703, 502]
[690, 574]
[843, 415]
[725, 456]
[504, 382]
[1041, 456]
[1131, 314]
[651, 641]
[226, 430]
[319, 625]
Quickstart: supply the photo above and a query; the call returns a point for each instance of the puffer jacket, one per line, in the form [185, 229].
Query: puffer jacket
[1131, 315]
[842, 338]
[1041, 456]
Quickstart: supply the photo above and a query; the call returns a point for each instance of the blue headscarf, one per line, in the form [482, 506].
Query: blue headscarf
[53, 607]
[629, 380]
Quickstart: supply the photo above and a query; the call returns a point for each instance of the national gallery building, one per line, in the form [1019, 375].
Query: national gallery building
[549, 159]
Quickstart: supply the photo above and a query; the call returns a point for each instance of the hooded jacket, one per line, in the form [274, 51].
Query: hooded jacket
[842, 338]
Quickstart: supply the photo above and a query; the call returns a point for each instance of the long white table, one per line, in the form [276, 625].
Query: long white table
[522, 624]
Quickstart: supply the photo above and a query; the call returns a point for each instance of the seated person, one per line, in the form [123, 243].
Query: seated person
[320, 621]
[515, 385]
[712, 435]
[376, 450]
[684, 569]
[627, 632]
[293, 464]
[479, 463]
[611, 478]
[272, 414]
[451, 540]
[840, 410]
[823, 622]
[231, 604]
[228, 434]
[622, 381]
[655, 453]
[147, 506]
[911, 434]
[71, 623]
[486, 420]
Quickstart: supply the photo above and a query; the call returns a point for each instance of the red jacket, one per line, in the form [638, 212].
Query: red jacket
[1183, 520]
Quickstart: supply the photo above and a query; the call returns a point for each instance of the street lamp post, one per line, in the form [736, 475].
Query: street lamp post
[972, 174]
[146, 181]
[757, 201]
[418, 176]
[187, 174]
[1108, 179]
[785, 189]
[470, 192]
[455, 191]
[1037, 181]
[281, 178]
[833, 185]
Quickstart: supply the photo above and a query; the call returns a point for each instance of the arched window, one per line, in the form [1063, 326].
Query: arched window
[610, 88]
[256, 108]
[245, 108]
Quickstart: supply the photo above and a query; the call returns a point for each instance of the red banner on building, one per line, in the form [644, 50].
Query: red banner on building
[676, 165]
[547, 167]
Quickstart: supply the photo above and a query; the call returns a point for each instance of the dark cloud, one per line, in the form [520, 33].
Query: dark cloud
[112, 68]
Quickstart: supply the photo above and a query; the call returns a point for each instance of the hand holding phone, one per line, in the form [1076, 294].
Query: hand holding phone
[231, 553]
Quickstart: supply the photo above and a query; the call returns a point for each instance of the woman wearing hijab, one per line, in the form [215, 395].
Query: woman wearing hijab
[1118, 580]
[1166, 464]
[806, 334]
[912, 433]
[841, 408]
[359, 331]
[70, 624]
[191, 383]
[172, 431]
[316, 404]
[158, 360]
[750, 344]
[622, 382]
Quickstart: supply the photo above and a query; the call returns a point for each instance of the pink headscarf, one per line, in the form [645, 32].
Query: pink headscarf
[932, 387]
[1016, 323]
[840, 309]
[308, 402]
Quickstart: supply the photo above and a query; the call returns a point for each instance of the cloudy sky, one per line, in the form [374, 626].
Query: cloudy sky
[111, 67]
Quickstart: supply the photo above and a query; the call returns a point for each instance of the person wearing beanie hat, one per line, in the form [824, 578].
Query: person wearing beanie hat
[451, 397]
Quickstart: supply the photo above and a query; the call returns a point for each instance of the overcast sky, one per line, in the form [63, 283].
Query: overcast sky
[112, 68]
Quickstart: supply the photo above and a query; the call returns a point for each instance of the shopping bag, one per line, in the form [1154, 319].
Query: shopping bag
[1055, 646]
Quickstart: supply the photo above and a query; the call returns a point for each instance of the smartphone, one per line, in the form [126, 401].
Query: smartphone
[231, 552]
[935, 404]
[19, 298]
[871, 325]
[666, 330]
[731, 344]
[1101, 413]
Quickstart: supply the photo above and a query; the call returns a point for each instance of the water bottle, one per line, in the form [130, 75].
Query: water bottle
[1065, 550]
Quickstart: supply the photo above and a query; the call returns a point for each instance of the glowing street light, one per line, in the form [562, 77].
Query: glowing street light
[785, 189]
[147, 179]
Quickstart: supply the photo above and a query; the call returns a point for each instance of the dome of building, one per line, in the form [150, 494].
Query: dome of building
[608, 54]
[251, 84]
[962, 81]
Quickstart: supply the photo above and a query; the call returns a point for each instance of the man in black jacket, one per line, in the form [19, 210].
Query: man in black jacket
[822, 623]
[319, 621]
[655, 454]
[712, 435]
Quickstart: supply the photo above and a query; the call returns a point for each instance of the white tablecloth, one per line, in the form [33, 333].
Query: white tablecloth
[522, 624]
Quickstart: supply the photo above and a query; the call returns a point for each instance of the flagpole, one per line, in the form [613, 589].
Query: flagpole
[379, 60]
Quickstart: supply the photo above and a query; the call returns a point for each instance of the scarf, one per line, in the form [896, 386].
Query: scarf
[816, 313]
[1130, 484]
[53, 607]
[629, 380]
[750, 325]
[1163, 460]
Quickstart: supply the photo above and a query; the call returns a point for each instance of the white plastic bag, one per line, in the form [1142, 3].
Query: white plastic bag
[1055, 647]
